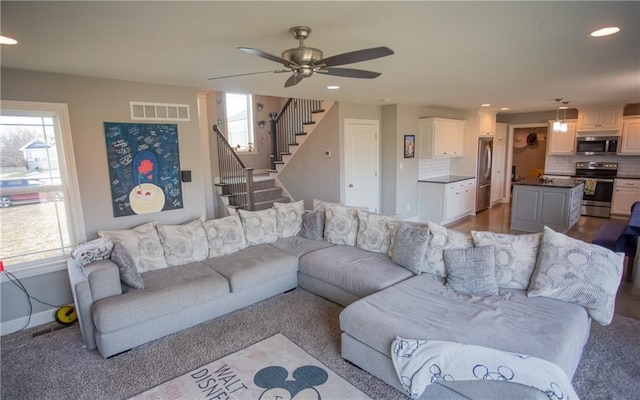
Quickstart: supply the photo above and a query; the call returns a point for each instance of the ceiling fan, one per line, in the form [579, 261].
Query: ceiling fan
[303, 61]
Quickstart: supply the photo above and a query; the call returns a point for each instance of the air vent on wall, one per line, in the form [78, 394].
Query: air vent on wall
[159, 111]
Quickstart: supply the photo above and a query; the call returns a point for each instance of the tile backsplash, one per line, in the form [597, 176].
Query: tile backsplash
[566, 165]
[430, 168]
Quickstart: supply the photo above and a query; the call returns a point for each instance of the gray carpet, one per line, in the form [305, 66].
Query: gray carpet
[56, 365]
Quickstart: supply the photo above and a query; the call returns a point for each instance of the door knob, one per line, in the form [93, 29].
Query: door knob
[351, 185]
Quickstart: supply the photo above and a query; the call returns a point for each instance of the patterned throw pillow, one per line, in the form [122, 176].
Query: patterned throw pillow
[571, 270]
[289, 218]
[225, 235]
[471, 271]
[374, 231]
[184, 243]
[341, 224]
[515, 256]
[128, 272]
[441, 239]
[94, 250]
[143, 245]
[410, 246]
[312, 225]
[259, 226]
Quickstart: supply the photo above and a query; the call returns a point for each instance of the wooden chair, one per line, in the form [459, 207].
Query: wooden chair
[622, 236]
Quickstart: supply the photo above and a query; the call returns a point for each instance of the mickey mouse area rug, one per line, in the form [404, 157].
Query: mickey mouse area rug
[273, 369]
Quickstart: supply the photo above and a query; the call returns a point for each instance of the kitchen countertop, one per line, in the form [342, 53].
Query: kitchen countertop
[627, 177]
[559, 183]
[446, 179]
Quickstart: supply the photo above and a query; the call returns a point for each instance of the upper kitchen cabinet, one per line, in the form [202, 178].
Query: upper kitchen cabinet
[486, 123]
[600, 120]
[441, 137]
[630, 137]
[562, 143]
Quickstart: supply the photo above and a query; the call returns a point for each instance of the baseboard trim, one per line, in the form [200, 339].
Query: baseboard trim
[14, 325]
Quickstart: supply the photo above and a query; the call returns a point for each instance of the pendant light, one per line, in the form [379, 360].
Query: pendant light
[559, 126]
[563, 125]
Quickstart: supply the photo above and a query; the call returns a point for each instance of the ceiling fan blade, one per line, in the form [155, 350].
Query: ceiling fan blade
[355, 56]
[249, 73]
[293, 80]
[264, 55]
[349, 73]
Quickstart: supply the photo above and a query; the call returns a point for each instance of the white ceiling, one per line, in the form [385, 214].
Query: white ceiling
[515, 54]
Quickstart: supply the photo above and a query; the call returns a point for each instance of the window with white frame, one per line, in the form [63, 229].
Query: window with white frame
[39, 201]
[239, 112]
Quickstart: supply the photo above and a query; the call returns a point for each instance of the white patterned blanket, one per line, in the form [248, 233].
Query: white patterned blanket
[420, 363]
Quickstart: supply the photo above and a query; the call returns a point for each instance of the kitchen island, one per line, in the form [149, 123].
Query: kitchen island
[554, 203]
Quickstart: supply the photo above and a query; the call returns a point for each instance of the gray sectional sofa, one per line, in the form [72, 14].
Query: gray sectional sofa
[356, 269]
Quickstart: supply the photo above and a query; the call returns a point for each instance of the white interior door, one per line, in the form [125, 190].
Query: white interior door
[362, 163]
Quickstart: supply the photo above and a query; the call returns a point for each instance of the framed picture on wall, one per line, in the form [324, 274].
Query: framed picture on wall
[409, 146]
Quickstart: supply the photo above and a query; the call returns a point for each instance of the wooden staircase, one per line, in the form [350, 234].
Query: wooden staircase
[265, 193]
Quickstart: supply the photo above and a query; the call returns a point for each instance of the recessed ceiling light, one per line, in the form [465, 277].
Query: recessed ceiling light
[333, 87]
[7, 40]
[610, 30]
[485, 105]
[504, 108]
[563, 108]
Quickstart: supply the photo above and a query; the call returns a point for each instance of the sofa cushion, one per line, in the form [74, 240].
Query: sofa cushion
[225, 235]
[471, 271]
[515, 256]
[423, 308]
[142, 244]
[299, 246]
[341, 224]
[288, 218]
[259, 226]
[357, 271]
[166, 291]
[374, 231]
[94, 250]
[410, 244]
[254, 265]
[184, 243]
[127, 268]
[572, 270]
[441, 239]
[312, 225]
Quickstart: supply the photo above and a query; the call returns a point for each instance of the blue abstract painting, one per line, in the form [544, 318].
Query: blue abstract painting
[144, 167]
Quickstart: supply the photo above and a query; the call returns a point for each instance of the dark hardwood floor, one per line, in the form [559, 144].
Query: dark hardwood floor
[498, 218]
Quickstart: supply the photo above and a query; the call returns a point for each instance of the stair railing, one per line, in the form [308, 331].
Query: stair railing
[236, 179]
[289, 123]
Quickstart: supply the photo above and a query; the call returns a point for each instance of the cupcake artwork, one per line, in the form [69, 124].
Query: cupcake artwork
[144, 167]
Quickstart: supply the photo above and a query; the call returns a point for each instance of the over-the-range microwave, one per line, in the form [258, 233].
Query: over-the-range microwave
[597, 145]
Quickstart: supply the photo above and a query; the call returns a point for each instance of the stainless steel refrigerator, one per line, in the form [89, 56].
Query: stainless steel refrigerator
[485, 155]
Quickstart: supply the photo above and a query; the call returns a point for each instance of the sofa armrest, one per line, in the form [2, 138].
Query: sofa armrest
[90, 283]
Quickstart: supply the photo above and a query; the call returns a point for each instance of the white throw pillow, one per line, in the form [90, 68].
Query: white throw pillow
[289, 218]
[515, 256]
[143, 245]
[374, 231]
[225, 235]
[94, 250]
[185, 243]
[259, 226]
[571, 270]
[441, 239]
[341, 224]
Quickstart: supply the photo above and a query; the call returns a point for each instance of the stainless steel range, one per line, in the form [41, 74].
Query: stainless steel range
[597, 202]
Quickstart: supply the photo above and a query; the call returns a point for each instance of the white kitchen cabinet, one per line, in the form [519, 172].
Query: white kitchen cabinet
[486, 123]
[498, 168]
[601, 120]
[446, 202]
[625, 193]
[562, 143]
[630, 137]
[441, 137]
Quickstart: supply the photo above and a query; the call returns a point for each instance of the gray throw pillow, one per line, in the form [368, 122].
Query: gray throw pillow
[443, 238]
[471, 271]
[128, 272]
[410, 245]
[312, 225]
